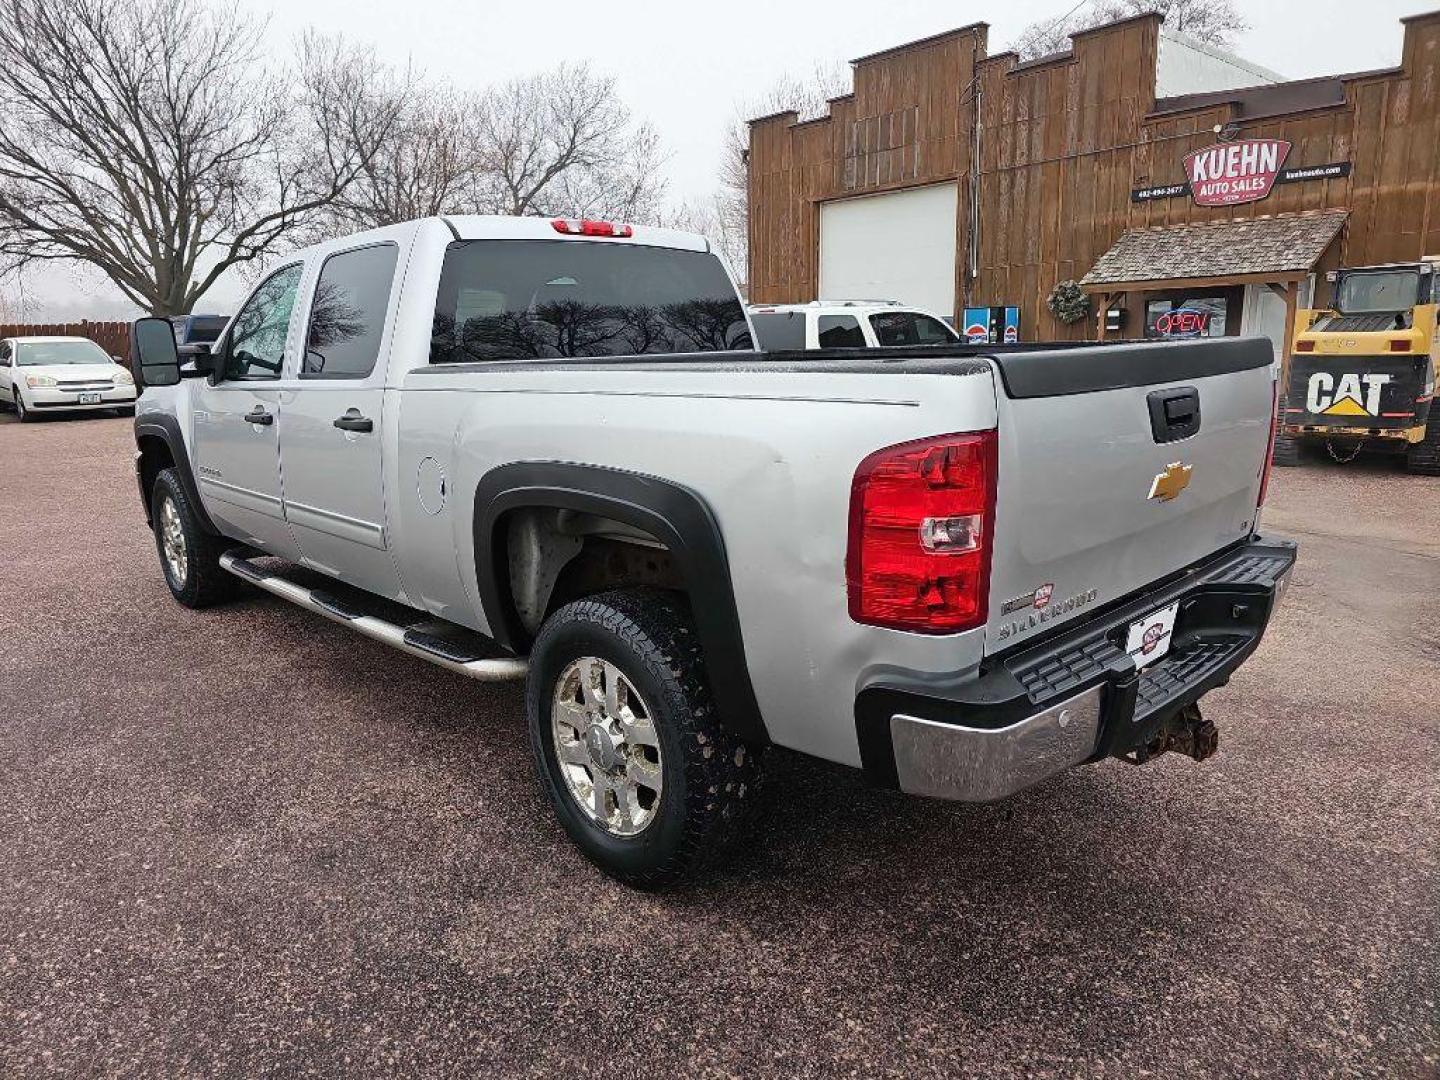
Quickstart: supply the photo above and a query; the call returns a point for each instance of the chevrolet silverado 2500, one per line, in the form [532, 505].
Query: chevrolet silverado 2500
[520, 448]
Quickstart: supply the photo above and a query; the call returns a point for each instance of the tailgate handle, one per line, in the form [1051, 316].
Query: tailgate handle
[1174, 413]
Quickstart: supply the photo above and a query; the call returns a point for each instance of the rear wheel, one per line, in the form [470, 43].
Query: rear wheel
[642, 774]
[189, 556]
[1423, 457]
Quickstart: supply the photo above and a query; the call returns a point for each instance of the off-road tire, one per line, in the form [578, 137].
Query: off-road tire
[1287, 453]
[711, 777]
[205, 583]
[1423, 457]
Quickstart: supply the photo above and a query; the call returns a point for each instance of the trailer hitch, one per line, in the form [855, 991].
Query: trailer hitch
[1190, 733]
[1187, 732]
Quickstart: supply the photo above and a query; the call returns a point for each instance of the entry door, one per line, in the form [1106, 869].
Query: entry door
[237, 421]
[333, 453]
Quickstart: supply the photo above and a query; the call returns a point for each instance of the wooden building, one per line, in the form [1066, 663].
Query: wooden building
[971, 180]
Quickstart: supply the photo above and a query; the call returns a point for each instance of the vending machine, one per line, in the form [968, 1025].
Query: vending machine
[992, 325]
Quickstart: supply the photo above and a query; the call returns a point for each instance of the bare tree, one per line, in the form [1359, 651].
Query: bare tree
[725, 216]
[1216, 22]
[144, 138]
[429, 165]
[563, 142]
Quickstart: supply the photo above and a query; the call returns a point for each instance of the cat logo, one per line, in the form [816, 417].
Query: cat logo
[1352, 395]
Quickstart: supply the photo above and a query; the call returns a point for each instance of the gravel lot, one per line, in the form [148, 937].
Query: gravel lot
[247, 841]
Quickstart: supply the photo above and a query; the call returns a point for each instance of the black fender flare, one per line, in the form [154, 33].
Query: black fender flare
[167, 428]
[675, 515]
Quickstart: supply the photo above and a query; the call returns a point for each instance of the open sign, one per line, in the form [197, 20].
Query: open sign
[1182, 322]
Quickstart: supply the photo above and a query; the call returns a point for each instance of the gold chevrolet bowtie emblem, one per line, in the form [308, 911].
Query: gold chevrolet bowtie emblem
[1168, 484]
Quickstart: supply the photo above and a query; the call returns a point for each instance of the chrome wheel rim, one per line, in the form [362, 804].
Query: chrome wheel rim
[172, 541]
[606, 746]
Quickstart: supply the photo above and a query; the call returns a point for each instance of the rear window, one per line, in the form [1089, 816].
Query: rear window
[908, 328]
[779, 330]
[552, 299]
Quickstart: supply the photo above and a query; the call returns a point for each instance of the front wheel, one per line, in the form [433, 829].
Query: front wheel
[189, 556]
[641, 772]
[26, 416]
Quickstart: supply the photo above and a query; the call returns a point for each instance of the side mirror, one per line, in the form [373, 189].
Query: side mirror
[153, 357]
[196, 359]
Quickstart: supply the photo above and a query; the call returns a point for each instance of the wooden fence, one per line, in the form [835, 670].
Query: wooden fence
[113, 337]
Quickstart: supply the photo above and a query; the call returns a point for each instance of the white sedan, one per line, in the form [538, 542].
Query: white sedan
[61, 374]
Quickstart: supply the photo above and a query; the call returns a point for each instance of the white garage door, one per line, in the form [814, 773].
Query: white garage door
[899, 246]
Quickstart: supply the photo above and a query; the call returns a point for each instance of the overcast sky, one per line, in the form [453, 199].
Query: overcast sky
[687, 66]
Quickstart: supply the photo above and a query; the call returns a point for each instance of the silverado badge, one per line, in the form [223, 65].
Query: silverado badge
[1168, 484]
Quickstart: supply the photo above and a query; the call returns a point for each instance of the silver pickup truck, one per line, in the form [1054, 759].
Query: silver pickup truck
[523, 448]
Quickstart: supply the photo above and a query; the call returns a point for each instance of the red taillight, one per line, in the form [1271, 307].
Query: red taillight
[1304, 346]
[1399, 344]
[922, 516]
[587, 227]
[1269, 446]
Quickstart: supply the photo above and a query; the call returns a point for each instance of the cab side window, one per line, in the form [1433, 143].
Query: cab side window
[256, 349]
[894, 328]
[840, 332]
[347, 319]
[5, 354]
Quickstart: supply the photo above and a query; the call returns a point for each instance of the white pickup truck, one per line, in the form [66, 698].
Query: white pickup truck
[520, 448]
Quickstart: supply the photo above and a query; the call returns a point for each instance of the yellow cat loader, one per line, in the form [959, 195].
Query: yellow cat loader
[1362, 373]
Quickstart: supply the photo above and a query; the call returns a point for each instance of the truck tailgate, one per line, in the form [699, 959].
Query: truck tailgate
[1104, 488]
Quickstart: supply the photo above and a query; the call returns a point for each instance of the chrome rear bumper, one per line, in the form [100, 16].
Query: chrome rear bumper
[1077, 695]
[969, 764]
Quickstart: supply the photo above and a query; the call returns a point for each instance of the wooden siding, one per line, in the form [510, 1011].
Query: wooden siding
[1062, 144]
[907, 123]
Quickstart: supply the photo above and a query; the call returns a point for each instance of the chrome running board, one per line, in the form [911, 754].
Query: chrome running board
[420, 640]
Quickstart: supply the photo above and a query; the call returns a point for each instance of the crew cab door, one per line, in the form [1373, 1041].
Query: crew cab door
[334, 448]
[237, 422]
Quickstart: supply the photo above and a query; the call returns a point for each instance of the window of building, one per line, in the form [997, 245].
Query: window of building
[1186, 317]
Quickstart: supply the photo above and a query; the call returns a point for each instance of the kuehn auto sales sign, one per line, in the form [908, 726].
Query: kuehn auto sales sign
[1231, 173]
[1228, 174]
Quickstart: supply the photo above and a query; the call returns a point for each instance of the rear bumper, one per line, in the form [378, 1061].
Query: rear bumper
[1077, 696]
[1401, 433]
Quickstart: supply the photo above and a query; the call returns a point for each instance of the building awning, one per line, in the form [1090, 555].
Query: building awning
[1281, 248]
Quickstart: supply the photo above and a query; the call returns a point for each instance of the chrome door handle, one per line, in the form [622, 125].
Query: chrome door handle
[353, 421]
[258, 415]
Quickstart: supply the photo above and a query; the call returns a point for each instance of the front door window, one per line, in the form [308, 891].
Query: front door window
[256, 347]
